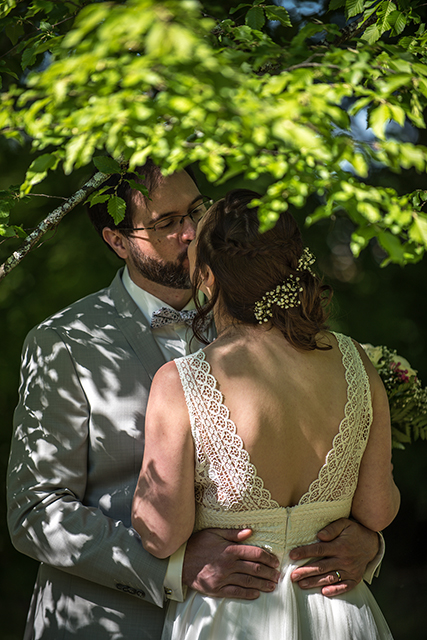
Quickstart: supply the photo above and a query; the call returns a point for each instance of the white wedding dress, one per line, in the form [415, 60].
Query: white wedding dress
[230, 494]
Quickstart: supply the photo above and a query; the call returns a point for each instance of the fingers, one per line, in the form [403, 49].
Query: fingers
[261, 572]
[250, 554]
[322, 570]
[218, 567]
[332, 583]
[333, 530]
[329, 538]
[246, 586]
[249, 583]
[338, 589]
[315, 550]
[232, 535]
[232, 591]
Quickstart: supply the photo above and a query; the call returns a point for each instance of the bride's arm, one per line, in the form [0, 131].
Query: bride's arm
[377, 499]
[163, 504]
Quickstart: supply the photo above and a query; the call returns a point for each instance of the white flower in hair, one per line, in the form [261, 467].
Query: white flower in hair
[285, 295]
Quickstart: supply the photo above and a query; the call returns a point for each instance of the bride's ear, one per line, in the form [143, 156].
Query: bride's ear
[208, 281]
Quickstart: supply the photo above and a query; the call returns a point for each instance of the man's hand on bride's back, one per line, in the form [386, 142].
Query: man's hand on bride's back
[339, 560]
[217, 564]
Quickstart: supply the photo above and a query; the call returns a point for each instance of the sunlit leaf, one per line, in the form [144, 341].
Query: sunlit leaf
[418, 230]
[378, 119]
[278, 13]
[116, 208]
[353, 7]
[6, 7]
[372, 34]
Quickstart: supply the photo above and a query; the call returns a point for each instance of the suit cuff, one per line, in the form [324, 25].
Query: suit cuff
[373, 568]
[174, 589]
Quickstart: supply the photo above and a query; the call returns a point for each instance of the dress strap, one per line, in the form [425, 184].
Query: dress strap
[337, 479]
[222, 463]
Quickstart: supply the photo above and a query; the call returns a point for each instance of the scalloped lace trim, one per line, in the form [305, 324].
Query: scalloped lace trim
[225, 477]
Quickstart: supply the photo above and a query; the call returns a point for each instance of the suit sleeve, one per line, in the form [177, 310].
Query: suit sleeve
[48, 474]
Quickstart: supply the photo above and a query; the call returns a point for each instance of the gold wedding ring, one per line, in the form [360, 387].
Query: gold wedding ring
[338, 576]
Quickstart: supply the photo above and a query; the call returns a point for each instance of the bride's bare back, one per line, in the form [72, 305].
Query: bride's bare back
[287, 404]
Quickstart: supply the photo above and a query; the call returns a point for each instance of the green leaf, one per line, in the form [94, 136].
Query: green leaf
[397, 113]
[397, 21]
[418, 230]
[98, 198]
[105, 164]
[278, 13]
[393, 246]
[43, 163]
[336, 4]
[29, 56]
[136, 185]
[243, 33]
[360, 165]
[255, 18]
[240, 6]
[14, 32]
[353, 7]
[116, 208]
[7, 231]
[6, 7]
[371, 35]
[378, 119]
[20, 231]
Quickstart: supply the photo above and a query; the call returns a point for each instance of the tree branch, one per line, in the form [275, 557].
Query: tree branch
[51, 221]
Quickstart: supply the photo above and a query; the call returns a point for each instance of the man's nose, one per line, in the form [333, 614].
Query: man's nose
[188, 231]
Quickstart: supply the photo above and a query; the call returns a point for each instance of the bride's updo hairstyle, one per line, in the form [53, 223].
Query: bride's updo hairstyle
[248, 264]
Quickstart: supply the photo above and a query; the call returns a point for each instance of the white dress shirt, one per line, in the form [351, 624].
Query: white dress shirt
[174, 340]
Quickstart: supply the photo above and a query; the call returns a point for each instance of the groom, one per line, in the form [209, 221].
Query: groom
[79, 441]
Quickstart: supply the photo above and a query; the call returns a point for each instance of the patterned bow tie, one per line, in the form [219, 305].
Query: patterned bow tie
[165, 316]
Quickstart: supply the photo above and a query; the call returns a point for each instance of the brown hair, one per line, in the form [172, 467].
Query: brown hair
[246, 264]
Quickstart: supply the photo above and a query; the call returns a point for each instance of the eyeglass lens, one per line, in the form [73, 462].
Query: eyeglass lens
[173, 224]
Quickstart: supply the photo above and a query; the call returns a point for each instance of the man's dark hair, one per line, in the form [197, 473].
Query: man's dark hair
[148, 175]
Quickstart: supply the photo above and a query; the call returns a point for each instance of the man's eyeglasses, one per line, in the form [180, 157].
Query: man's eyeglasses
[172, 225]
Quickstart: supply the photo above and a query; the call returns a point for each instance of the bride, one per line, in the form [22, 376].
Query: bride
[279, 425]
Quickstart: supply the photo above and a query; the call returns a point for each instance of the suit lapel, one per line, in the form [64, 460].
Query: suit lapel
[132, 323]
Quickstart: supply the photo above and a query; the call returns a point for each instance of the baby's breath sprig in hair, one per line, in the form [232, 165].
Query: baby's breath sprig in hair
[285, 295]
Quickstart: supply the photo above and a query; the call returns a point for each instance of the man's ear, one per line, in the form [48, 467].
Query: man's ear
[116, 241]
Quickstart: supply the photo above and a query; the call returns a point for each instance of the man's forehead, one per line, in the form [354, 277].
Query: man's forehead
[173, 194]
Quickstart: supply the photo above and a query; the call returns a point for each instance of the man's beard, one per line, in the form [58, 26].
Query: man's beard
[169, 274]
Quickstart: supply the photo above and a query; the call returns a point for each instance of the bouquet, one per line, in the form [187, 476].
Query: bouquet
[406, 395]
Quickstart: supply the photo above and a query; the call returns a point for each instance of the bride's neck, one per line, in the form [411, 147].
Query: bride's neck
[228, 327]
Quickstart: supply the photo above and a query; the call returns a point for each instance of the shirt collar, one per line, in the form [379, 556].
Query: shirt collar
[145, 301]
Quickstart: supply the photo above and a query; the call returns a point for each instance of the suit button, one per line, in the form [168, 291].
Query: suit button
[131, 590]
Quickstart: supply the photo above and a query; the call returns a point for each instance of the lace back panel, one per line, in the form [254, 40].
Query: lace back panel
[226, 480]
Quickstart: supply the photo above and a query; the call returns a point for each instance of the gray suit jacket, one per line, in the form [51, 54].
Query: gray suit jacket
[75, 459]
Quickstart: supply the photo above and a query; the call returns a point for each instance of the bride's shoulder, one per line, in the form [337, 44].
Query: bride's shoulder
[166, 381]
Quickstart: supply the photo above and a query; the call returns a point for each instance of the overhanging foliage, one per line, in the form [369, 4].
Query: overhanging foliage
[234, 92]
